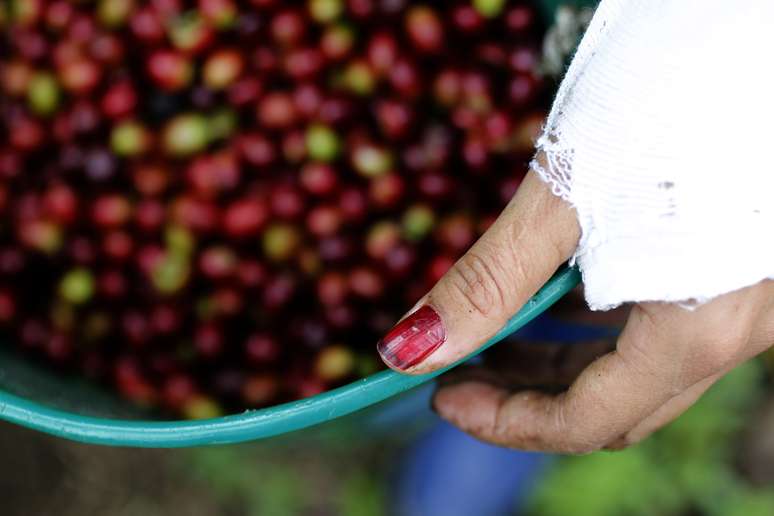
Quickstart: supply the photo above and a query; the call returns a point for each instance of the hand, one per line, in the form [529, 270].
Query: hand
[664, 359]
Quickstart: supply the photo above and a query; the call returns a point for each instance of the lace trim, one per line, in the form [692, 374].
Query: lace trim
[557, 172]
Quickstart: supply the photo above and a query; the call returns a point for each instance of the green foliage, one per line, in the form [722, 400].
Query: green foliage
[603, 484]
[236, 476]
[315, 472]
[362, 495]
[686, 466]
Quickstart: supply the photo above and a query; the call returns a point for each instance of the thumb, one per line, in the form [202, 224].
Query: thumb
[533, 236]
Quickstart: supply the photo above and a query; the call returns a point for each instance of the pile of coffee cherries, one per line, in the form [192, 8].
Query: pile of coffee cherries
[222, 204]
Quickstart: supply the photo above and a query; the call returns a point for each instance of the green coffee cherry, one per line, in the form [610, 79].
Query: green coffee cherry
[489, 8]
[418, 221]
[322, 144]
[186, 134]
[43, 93]
[129, 139]
[77, 286]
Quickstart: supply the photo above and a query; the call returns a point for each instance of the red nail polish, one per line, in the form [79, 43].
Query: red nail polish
[412, 339]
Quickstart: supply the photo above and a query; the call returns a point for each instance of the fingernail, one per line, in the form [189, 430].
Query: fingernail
[412, 339]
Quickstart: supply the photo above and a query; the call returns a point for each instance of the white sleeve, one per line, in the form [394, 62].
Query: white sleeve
[660, 137]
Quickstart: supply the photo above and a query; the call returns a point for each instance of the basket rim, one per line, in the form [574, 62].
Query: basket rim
[261, 423]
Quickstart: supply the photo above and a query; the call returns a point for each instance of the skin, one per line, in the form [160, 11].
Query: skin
[665, 358]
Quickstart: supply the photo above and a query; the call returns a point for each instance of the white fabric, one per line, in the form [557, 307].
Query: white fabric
[661, 137]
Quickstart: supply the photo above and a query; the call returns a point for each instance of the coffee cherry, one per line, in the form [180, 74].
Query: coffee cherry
[318, 178]
[43, 93]
[307, 98]
[404, 78]
[366, 282]
[111, 210]
[244, 91]
[217, 262]
[382, 52]
[323, 220]
[334, 363]
[303, 63]
[294, 148]
[7, 307]
[170, 70]
[424, 28]
[322, 144]
[287, 27]
[280, 241]
[208, 340]
[278, 292]
[332, 288]
[417, 222]
[337, 41]
[467, 18]
[222, 68]
[359, 78]
[61, 204]
[387, 191]
[287, 202]
[257, 149]
[221, 14]
[107, 49]
[400, 261]
[77, 286]
[15, 77]
[325, 11]
[185, 134]
[245, 217]
[520, 19]
[335, 249]
[251, 273]
[382, 237]
[129, 138]
[394, 117]
[262, 349]
[146, 24]
[41, 235]
[489, 8]
[119, 100]
[260, 389]
[353, 203]
[99, 165]
[189, 32]
[178, 391]
[456, 231]
[58, 14]
[114, 13]
[201, 407]
[276, 111]
[195, 214]
[111, 284]
[370, 160]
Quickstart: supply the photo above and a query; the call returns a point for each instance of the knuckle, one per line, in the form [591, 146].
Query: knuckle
[722, 349]
[529, 438]
[474, 282]
[572, 433]
[720, 344]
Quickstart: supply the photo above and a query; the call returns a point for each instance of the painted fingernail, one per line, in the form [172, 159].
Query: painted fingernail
[412, 339]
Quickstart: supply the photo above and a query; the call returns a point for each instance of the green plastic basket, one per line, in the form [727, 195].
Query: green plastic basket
[33, 398]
